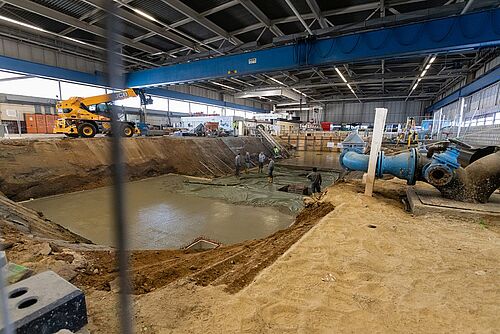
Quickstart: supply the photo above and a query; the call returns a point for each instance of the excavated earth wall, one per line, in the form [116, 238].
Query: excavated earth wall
[37, 168]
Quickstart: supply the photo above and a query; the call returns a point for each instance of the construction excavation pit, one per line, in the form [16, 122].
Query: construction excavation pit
[171, 211]
[204, 244]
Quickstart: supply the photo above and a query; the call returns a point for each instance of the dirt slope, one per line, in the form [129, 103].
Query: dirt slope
[36, 168]
[402, 274]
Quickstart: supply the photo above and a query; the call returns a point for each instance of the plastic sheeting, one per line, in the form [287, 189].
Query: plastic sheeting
[253, 189]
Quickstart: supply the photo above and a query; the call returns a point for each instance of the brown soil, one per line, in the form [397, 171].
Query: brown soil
[37, 168]
[15, 218]
[235, 266]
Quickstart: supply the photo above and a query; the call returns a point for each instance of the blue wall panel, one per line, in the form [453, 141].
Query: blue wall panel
[484, 81]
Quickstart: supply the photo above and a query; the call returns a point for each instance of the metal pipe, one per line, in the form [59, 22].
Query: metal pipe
[401, 165]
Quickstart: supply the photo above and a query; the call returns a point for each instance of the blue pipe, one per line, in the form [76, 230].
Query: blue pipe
[352, 160]
[402, 165]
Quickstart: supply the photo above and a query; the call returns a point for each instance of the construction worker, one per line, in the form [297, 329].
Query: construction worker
[316, 181]
[248, 162]
[262, 158]
[270, 170]
[237, 164]
[276, 152]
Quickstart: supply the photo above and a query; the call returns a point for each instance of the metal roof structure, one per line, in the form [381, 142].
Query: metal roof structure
[162, 32]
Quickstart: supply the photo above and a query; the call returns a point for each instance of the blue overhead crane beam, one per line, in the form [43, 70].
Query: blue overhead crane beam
[462, 32]
[50, 72]
[58, 73]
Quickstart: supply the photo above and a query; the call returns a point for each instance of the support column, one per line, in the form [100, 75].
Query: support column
[460, 119]
[378, 133]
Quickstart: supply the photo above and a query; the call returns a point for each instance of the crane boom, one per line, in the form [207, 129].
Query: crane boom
[78, 120]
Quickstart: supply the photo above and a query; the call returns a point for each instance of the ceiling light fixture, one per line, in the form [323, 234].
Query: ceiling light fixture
[345, 81]
[146, 15]
[424, 72]
[340, 74]
[277, 81]
[27, 25]
[222, 85]
[299, 92]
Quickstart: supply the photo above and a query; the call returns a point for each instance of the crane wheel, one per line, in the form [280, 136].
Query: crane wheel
[127, 130]
[87, 130]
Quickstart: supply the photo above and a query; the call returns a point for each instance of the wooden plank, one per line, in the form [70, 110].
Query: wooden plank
[378, 132]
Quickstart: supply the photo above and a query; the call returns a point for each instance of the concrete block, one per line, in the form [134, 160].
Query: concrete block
[429, 201]
[45, 303]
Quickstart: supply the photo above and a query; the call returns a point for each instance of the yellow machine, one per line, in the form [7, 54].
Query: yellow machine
[409, 133]
[88, 116]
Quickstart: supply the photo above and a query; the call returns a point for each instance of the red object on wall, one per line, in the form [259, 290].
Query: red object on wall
[30, 123]
[326, 126]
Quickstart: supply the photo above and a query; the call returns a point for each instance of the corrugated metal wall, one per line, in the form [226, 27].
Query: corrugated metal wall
[398, 111]
[38, 54]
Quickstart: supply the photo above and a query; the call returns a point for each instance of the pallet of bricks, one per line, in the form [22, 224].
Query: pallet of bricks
[322, 141]
[39, 123]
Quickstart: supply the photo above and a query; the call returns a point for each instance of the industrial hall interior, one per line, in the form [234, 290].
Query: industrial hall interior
[249, 166]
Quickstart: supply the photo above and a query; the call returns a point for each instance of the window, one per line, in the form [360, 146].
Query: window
[36, 87]
[214, 110]
[71, 89]
[497, 118]
[131, 102]
[5, 75]
[488, 120]
[159, 103]
[197, 108]
[179, 106]
[239, 113]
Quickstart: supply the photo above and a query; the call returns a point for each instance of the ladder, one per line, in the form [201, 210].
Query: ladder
[270, 143]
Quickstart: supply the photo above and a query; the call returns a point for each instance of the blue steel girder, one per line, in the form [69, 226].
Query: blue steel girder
[58, 73]
[461, 32]
[52, 72]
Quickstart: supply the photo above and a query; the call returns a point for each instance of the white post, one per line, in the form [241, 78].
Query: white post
[378, 132]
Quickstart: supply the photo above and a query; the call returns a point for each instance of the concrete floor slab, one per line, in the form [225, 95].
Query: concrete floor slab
[424, 201]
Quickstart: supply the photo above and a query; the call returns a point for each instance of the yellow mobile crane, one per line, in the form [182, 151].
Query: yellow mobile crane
[87, 116]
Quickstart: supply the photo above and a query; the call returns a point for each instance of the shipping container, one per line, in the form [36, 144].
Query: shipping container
[41, 123]
[30, 123]
[51, 121]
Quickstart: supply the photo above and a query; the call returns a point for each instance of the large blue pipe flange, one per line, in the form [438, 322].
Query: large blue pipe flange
[441, 169]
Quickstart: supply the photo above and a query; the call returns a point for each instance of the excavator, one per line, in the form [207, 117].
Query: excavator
[87, 116]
